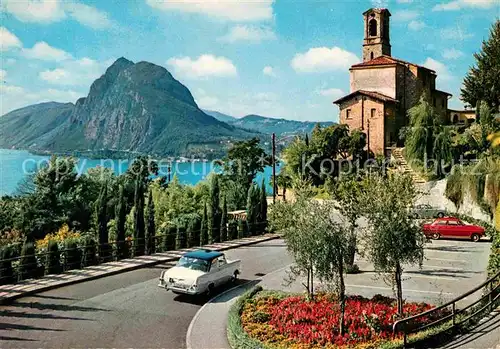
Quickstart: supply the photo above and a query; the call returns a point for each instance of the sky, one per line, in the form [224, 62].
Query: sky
[278, 58]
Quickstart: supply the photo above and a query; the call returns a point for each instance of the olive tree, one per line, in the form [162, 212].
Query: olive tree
[393, 238]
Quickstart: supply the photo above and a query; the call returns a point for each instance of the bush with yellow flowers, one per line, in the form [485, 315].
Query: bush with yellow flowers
[60, 236]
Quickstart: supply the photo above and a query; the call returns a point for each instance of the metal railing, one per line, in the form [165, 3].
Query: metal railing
[457, 316]
[20, 267]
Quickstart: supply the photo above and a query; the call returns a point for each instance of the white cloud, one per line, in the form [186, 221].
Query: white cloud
[452, 53]
[8, 40]
[17, 97]
[405, 15]
[3, 75]
[404, 1]
[331, 92]
[43, 51]
[207, 102]
[248, 33]
[81, 72]
[443, 74]
[88, 15]
[39, 11]
[49, 11]
[203, 66]
[321, 59]
[455, 33]
[232, 10]
[416, 25]
[380, 3]
[269, 71]
[460, 4]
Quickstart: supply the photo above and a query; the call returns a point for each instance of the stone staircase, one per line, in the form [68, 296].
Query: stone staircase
[403, 166]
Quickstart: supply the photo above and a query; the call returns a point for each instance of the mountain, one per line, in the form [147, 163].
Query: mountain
[219, 116]
[263, 124]
[137, 107]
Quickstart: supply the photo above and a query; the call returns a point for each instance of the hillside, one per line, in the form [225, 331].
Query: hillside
[137, 107]
[263, 124]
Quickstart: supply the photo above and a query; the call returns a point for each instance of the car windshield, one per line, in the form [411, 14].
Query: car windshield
[193, 263]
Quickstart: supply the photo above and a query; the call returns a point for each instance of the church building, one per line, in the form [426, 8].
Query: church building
[383, 88]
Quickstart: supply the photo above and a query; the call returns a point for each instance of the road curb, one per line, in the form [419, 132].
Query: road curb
[8, 299]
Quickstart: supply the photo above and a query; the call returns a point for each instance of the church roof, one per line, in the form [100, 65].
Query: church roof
[442, 92]
[387, 60]
[372, 94]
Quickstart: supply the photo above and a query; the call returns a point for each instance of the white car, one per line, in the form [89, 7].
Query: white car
[199, 272]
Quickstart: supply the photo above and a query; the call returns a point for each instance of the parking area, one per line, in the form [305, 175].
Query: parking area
[450, 268]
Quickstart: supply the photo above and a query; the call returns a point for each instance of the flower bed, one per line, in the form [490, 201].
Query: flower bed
[294, 322]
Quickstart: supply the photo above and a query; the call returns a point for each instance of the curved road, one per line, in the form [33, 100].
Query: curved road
[125, 310]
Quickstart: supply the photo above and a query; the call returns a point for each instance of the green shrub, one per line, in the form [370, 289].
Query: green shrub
[52, 258]
[6, 270]
[72, 255]
[242, 229]
[169, 238]
[28, 265]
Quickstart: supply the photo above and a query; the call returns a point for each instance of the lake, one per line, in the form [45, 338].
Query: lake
[17, 164]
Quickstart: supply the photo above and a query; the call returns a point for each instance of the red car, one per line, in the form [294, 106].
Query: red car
[452, 227]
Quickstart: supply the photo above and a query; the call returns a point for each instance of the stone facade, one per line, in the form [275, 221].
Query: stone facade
[391, 85]
[462, 117]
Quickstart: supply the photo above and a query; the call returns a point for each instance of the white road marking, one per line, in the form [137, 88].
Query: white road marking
[404, 289]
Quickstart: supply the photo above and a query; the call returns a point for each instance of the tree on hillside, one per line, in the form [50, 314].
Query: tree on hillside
[394, 239]
[121, 217]
[139, 219]
[151, 227]
[244, 160]
[442, 151]
[482, 81]
[214, 212]
[102, 223]
[419, 142]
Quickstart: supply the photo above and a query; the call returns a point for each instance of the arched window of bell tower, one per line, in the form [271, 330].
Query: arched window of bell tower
[372, 31]
[371, 55]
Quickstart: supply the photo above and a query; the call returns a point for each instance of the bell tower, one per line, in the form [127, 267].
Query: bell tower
[376, 42]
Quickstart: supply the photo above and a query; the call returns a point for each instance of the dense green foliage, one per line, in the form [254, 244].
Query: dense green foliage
[139, 232]
[214, 213]
[180, 239]
[481, 82]
[72, 255]
[28, 265]
[6, 270]
[324, 156]
[223, 221]
[120, 223]
[102, 223]
[204, 227]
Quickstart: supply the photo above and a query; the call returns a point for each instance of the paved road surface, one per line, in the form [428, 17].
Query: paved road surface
[126, 310]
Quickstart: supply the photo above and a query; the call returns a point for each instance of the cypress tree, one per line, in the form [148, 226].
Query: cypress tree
[169, 238]
[53, 258]
[232, 231]
[6, 270]
[121, 217]
[180, 240]
[102, 223]
[214, 217]
[223, 221]
[252, 209]
[139, 219]
[151, 228]
[204, 230]
[190, 233]
[28, 265]
[263, 208]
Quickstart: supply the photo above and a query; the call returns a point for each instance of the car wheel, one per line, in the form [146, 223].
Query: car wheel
[234, 278]
[210, 290]
[435, 236]
[440, 215]
[475, 237]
